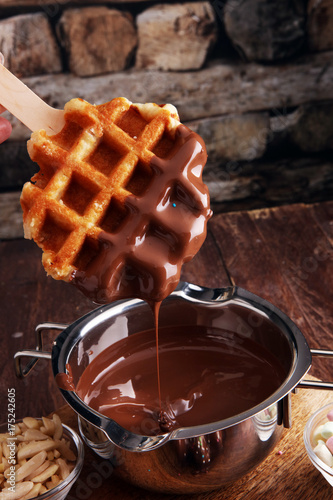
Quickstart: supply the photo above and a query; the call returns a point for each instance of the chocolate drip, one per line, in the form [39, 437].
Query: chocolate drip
[65, 380]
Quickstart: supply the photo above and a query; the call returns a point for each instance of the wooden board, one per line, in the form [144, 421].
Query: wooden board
[286, 474]
[285, 255]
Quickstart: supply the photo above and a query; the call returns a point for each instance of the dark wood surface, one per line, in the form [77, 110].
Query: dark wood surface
[283, 254]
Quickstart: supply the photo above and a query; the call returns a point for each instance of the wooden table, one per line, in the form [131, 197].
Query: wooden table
[283, 254]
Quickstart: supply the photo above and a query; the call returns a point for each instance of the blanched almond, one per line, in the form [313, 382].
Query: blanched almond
[65, 451]
[30, 449]
[58, 429]
[21, 490]
[18, 430]
[5, 450]
[31, 465]
[34, 435]
[34, 492]
[31, 423]
[43, 489]
[48, 425]
[38, 471]
[9, 472]
[46, 474]
[64, 469]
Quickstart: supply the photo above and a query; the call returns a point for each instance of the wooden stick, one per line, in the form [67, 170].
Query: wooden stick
[30, 109]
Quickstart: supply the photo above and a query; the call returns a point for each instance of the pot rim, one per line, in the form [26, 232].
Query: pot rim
[68, 339]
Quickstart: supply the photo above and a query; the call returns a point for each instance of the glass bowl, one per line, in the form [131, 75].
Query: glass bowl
[61, 491]
[318, 418]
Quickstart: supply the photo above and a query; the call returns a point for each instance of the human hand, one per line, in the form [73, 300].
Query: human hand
[5, 127]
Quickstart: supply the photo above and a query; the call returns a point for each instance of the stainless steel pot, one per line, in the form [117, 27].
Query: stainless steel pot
[192, 459]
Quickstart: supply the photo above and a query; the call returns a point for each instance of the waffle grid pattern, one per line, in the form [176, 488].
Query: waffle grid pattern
[92, 179]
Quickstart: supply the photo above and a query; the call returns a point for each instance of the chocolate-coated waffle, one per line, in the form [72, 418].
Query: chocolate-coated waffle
[118, 204]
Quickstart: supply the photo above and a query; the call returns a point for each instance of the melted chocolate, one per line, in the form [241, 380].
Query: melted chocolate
[159, 229]
[206, 375]
[65, 380]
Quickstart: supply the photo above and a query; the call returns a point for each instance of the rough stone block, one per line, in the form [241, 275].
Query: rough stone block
[249, 185]
[313, 130]
[97, 39]
[234, 137]
[309, 128]
[29, 46]
[264, 30]
[175, 37]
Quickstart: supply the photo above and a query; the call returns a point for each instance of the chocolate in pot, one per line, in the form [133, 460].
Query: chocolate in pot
[206, 375]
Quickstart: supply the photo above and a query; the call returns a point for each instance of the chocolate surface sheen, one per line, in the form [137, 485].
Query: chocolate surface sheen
[157, 231]
[207, 375]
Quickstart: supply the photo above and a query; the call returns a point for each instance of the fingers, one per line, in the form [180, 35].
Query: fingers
[5, 129]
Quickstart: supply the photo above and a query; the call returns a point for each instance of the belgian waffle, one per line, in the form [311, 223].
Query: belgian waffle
[91, 196]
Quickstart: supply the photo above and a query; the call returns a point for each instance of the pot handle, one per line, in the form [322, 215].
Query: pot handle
[35, 354]
[313, 384]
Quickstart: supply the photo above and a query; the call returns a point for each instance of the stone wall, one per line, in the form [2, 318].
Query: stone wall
[253, 77]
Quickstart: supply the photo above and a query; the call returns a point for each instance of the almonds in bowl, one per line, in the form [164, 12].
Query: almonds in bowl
[38, 458]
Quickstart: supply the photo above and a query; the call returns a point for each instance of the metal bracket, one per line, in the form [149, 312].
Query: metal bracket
[37, 353]
[313, 384]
